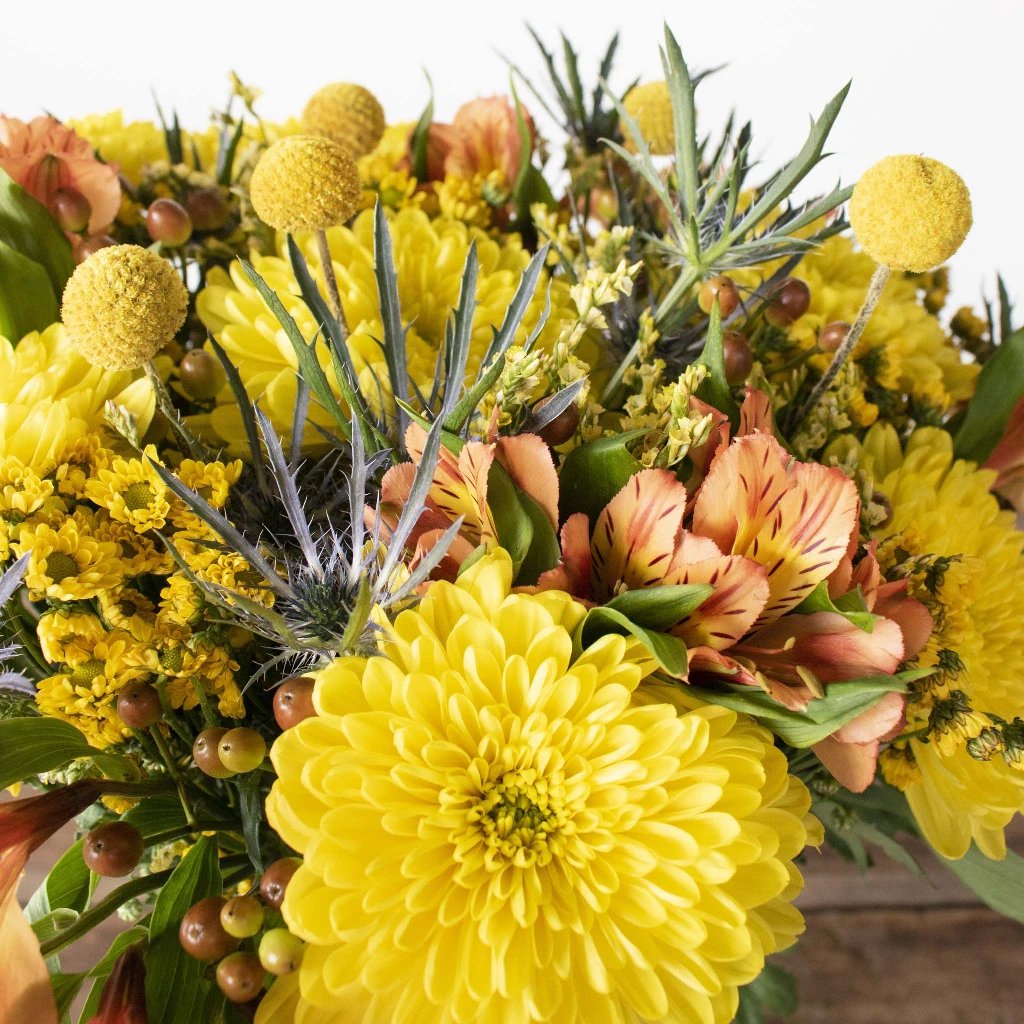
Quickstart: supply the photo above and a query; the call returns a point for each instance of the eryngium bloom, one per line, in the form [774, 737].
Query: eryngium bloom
[494, 829]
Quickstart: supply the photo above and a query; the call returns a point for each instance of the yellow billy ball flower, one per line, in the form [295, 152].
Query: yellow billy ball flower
[494, 828]
[650, 105]
[305, 183]
[122, 305]
[346, 113]
[910, 212]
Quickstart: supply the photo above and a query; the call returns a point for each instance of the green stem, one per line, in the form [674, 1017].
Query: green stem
[679, 290]
[875, 289]
[333, 295]
[172, 769]
[148, 787]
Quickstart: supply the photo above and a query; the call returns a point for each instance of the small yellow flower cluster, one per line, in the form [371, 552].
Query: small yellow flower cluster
[115, 607]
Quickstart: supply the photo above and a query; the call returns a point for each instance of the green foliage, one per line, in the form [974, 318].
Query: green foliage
[1000, 387]
[595, 472]
[27, 302]
[714, 389]
[772, 992]
[660, 608]
[998, 883]
[669, 651]
[851, 606]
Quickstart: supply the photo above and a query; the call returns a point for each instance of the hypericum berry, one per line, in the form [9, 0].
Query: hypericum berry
[201, 375]
[240, 976]
[242, 749]
[86, 247]
[208, 208]
[280, 951]
[168, 222]
[833, 335]
[789, 302]
[562, 427]
[71, 210]
[275, 880]
[113, 850]
[722, 288]
[738, 357]
[207, 756]
[202, 935]
[242, 916]
[138, 705]
[293, 701]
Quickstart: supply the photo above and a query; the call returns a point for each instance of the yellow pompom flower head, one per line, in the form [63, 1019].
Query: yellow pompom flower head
[307, 183]
[498, 827]
[650, 106]
[347, 114]
[123, 305]
[909, 213]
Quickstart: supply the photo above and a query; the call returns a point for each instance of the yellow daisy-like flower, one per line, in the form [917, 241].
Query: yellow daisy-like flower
[191, 662]
[22, 492]
[128, 609]
[650, 105]
[51, 398]
[429, 258]
[181, 603]
[210, 480]
[903, 348]
[85, 694]
[132, 492]
[67, 564]
[122, 305]
[495, 830]
[972, 576]
[139, 552]
[68, 636]
[910, 212]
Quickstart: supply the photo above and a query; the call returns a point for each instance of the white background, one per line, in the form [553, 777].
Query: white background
[940, 77]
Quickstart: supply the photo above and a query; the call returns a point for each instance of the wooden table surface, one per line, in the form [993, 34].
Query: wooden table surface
[880, 947]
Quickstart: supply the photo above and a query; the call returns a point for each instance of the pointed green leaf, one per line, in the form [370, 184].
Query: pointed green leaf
[594, 473]
[27, 302]
[668, 650]
[660, 608]
[851, 606]
[998, 883]
[1000, 386]
[544, 551]
[513, 523]
[715, 388]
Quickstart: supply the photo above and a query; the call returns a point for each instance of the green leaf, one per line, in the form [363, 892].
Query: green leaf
[772, 991]
[27, 302]
[513, 523]
[251, 810]
[30, 746]
[1000, 385]
[842, 703]
[669, 650]
[661, 608]
[176, 989]
[594, 473]
[684, 117]
[65, 988]
[156, 814]
[998, 883]
[53, 923]
[68, 886]
[421, 136]
[544, 551]
[714, 389]
[27, 227]
[851, 606]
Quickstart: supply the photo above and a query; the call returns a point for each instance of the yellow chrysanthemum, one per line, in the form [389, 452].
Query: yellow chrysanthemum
[903, 348]
[122, 305]
[212, 481]
[190, 662]
[128, 609]
[346, 113]
[971, 559]
[429, 258]
[181, 602]
[68, 636]
[305, 183]
[650, 105]
[910, 212]
[85, 694]
[140, 553]
[51, 397]
[495, 830]
[132, 492]
[67, 564]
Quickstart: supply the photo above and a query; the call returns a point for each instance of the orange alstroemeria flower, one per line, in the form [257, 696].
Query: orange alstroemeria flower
[43, 155]
[123, 999]
[1007, 459]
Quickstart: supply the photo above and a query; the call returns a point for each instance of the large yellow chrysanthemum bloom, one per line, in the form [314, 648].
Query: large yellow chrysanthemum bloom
[965, 560]
[903, 348]
[429, 259]
[495, 830]
[50, 397]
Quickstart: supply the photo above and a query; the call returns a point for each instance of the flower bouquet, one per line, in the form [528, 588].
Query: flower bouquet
[449, 583]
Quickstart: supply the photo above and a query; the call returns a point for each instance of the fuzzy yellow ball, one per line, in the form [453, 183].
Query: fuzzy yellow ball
[122, 306]
[305, 183]
[910, 212]
[650, 106]
[346, 113]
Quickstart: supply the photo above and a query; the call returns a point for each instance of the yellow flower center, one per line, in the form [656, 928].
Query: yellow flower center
[517, 814]
[84, 674]
[59, 566]
[138, 496]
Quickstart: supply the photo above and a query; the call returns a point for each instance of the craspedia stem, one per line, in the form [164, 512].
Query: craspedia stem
[875, 289]
[165, 404]
[333, 295]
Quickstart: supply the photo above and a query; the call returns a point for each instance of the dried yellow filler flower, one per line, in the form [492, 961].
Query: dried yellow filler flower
[122, 305]
[305, 183]
[650, 105]
[910, 212]
[347, 114]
